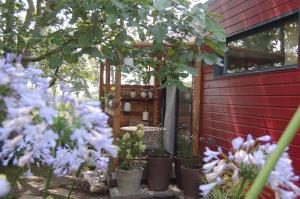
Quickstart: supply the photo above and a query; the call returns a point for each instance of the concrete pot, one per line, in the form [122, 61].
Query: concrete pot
[129, 181]
[190, 179]
[158, 173]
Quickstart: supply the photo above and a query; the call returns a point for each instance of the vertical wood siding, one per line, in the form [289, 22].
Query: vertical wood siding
[260, 103]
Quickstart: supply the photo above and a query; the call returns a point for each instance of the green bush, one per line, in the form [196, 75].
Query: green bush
[130, 148]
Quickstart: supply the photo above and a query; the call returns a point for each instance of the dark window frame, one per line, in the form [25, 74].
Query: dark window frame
[221, 71]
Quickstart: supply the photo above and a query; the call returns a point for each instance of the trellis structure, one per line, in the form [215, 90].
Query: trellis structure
[105, 87]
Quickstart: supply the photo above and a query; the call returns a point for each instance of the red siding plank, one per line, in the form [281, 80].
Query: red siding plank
[238, 130]
[276, 124]
[279, 77]
[227, 5]
[293, 5]
[277, 113]
[248, 7]
[248, 13]
[207, 70]
[260, 101]
[265, 90]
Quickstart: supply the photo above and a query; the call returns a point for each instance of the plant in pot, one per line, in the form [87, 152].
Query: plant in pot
[159, 165]
[130, 170]
[183, 152]
[190, 167]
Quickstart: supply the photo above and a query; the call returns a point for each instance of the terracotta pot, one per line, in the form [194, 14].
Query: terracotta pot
[129, 181]
[190, 178]
[158, 173]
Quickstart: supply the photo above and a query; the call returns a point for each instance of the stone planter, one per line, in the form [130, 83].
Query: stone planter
[129, 181]
[190, 179]
[158, 173]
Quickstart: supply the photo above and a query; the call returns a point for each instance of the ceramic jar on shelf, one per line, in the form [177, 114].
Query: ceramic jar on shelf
[132, 93]
[143, 94]
[150, 94]
[127, 107]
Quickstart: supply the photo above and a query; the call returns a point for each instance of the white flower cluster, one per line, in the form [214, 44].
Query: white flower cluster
[29, 132]
[244, 161]
[4, 186]
[25, 132]
[90, 136]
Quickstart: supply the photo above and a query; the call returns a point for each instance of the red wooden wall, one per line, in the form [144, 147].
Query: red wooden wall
[259, 104]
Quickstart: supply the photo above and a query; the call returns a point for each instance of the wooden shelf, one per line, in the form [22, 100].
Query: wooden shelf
[137, 99]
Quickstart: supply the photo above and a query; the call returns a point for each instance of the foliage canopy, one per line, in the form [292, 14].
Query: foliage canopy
[62, 31]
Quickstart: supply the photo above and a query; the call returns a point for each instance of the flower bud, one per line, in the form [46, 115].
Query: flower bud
[126, 136]
[140, 133]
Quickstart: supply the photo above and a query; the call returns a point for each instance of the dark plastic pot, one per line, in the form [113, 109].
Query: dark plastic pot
[178, 164]
[190, 181]
[158, 173]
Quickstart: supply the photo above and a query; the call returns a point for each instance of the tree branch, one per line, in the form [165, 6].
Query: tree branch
[43, 56]
[29, 15]
[38, 14]
[46, 54]
[9, 16]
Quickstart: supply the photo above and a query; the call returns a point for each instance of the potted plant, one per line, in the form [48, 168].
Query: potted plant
[190, 167]
[130, 170]
[159, 165]
[183, 152]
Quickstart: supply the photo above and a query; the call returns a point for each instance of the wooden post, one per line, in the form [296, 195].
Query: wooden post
[156, 102]
[156, 95]
[101, 86]
[107, 77]
[117, 99]
[196, 107]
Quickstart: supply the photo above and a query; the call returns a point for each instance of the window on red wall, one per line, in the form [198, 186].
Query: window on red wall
[270, 46]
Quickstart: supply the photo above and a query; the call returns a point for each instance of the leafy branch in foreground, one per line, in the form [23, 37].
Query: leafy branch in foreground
[59, 32]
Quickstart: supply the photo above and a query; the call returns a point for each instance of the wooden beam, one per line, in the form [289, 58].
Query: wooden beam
[196, 107]
[107, 77]
[117, 102]
[101, 85]
[156, 95]
[156, 103]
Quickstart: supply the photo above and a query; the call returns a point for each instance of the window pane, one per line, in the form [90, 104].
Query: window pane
[276, 46]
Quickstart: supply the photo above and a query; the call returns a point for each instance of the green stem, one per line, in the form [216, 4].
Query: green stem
[19, 172]
[47, 183]
[241, 188]
[284, 141]
[73, 183]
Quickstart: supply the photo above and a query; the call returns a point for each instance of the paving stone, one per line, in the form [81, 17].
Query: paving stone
[144, 193]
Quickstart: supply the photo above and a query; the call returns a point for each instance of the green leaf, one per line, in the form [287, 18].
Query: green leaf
[142, 35]
[55, 61]
[84, 39]
[191, 70]
[161, 4]
[147, 77]
[66, 49]
[216, 29]
[71, 58]
[214, 46]
[160, 32]
[210, 59]
[125, 69]
[118, 4]
[180, 85]
[110, 19]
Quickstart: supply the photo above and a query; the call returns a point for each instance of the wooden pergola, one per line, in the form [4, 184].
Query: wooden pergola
[105, 87]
